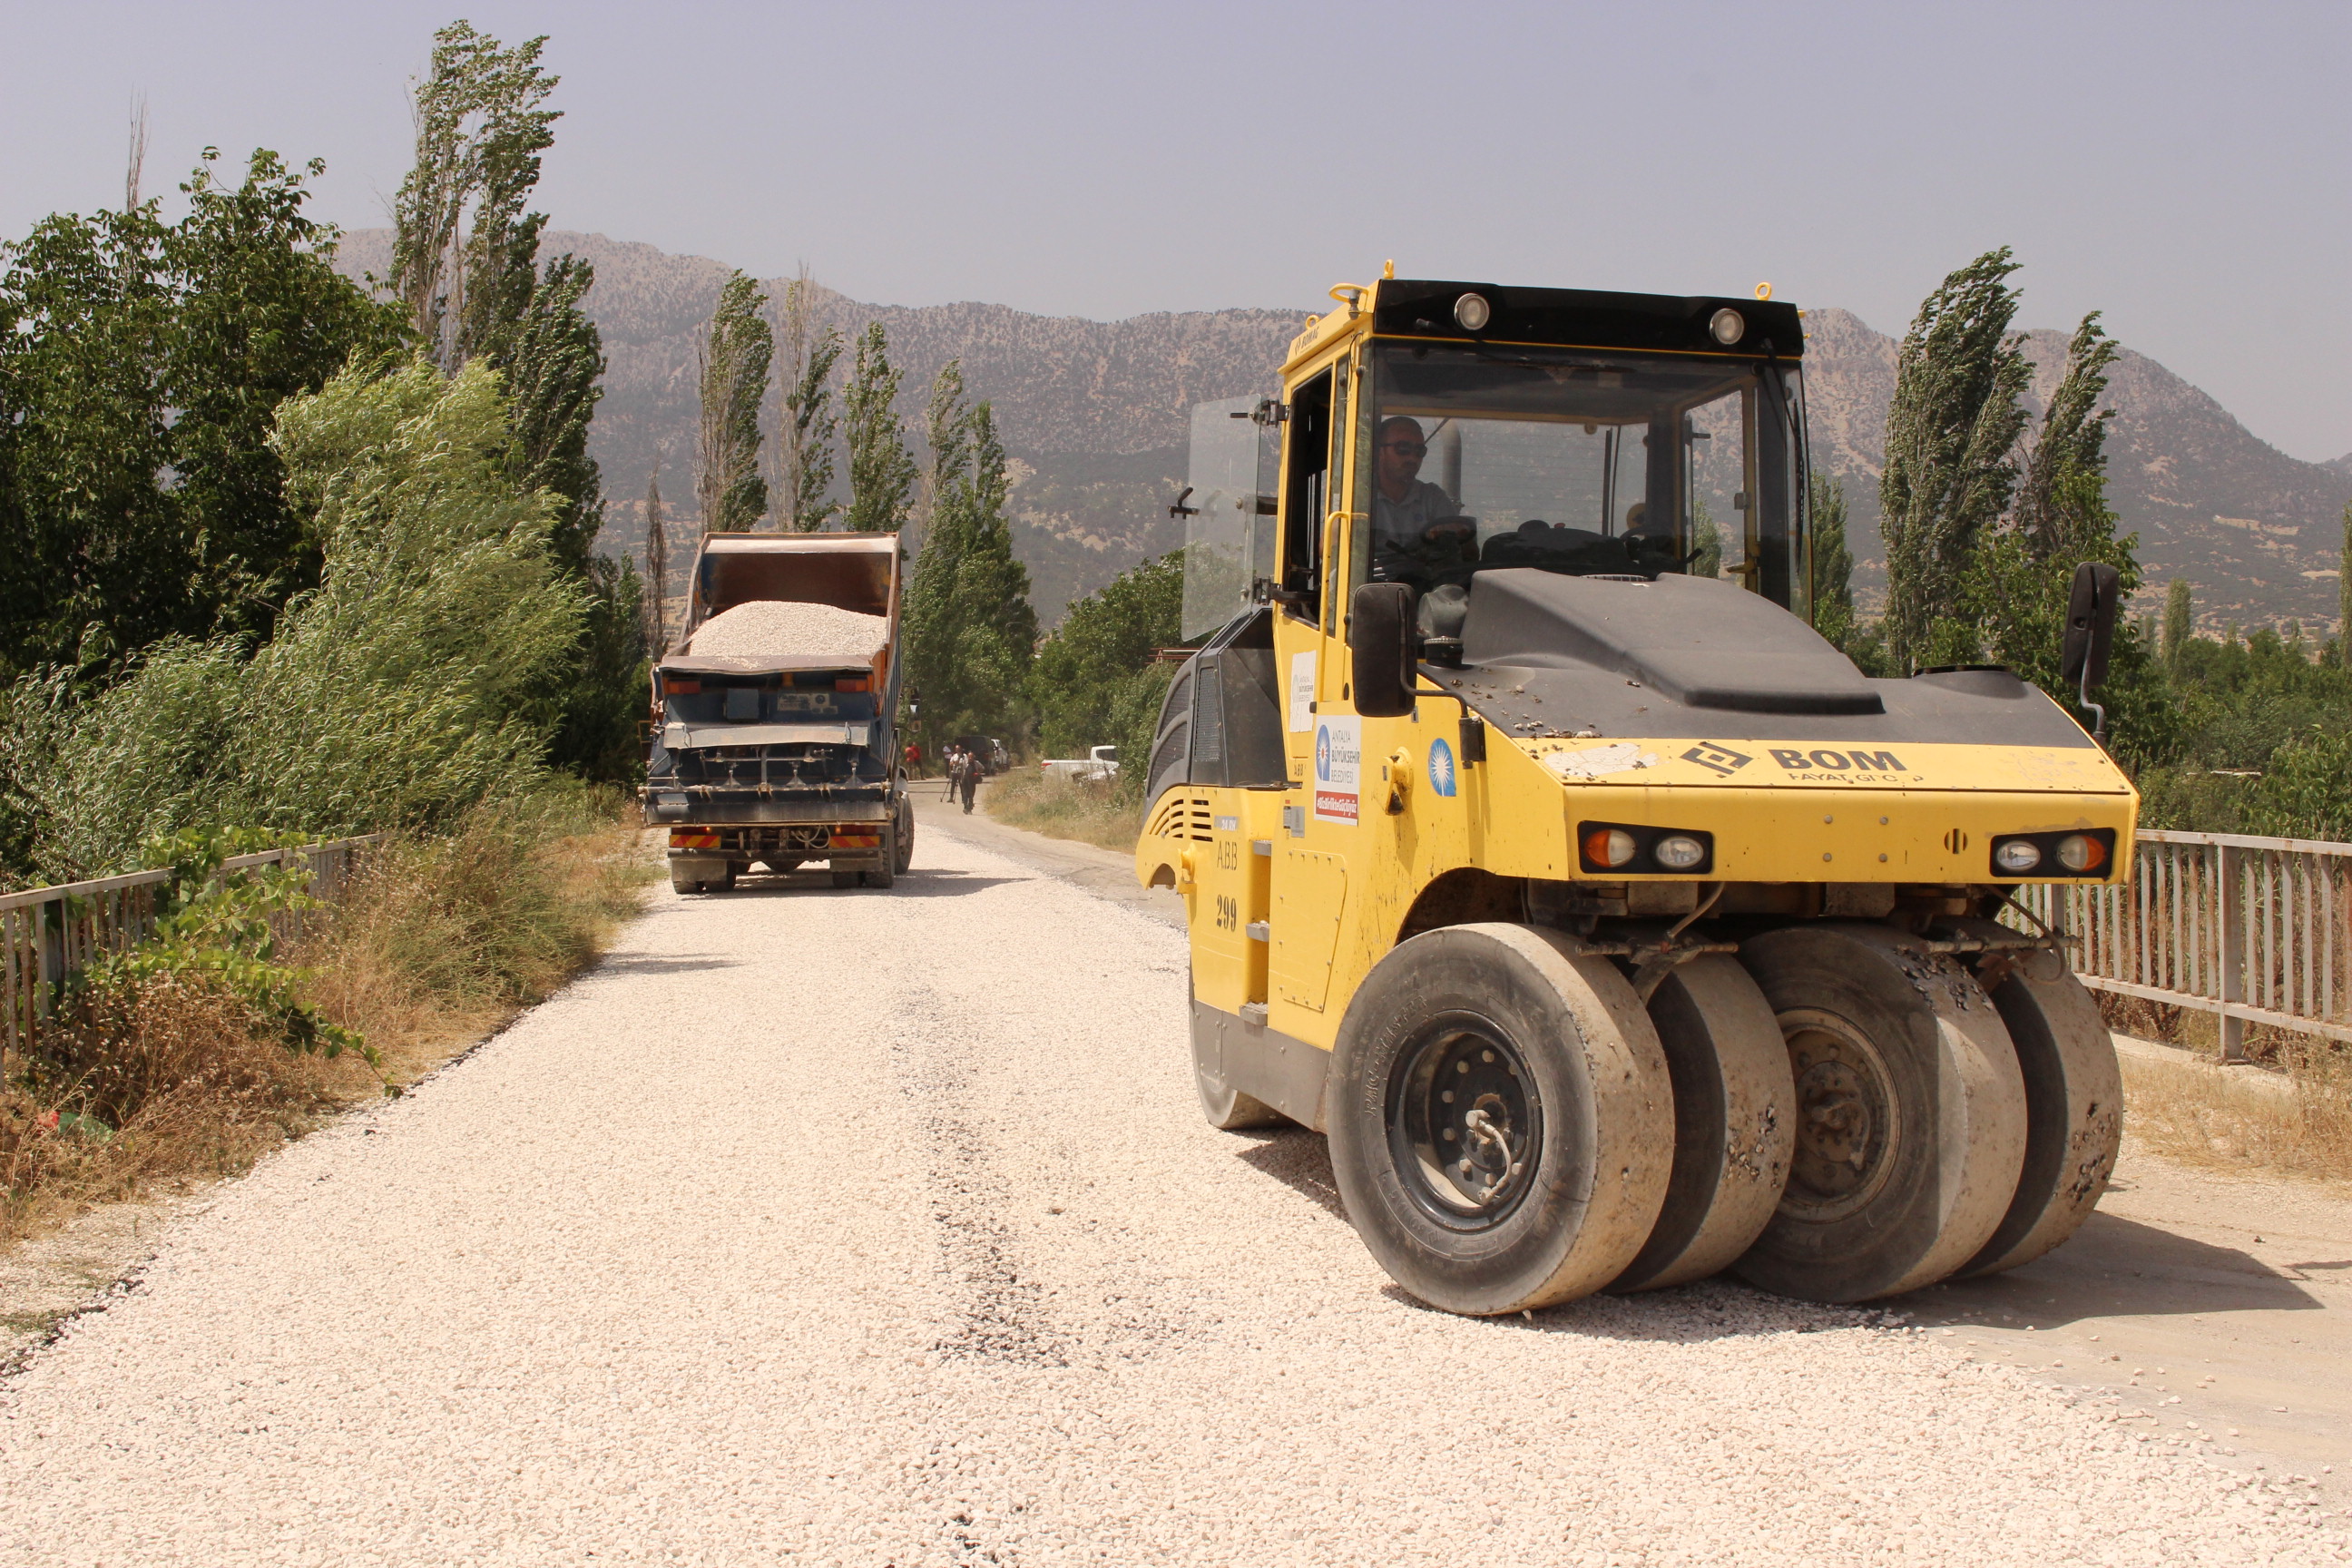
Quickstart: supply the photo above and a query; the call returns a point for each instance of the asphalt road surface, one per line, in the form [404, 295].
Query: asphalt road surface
[870, 1228]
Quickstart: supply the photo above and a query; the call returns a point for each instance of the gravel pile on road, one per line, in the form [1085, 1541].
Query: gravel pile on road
[721, 1256]
[784, 628]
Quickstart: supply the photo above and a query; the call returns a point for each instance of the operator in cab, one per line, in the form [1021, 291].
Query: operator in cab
[1417, 528]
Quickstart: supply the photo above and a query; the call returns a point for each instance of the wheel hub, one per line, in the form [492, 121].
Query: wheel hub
[1847, 1122]
[1464, 1123]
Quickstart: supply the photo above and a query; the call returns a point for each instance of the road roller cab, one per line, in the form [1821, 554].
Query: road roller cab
[1613, 925]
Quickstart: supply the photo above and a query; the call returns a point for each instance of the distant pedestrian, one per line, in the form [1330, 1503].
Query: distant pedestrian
[963, 777]
[914, 760]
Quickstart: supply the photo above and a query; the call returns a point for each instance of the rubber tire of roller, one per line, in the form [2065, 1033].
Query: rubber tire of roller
[1735, 1121]
[1606, 1147]
[2074, 1109]
[1231, 1110]
[1956, 1155]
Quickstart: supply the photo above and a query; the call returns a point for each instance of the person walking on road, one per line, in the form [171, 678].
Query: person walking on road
[964, 776]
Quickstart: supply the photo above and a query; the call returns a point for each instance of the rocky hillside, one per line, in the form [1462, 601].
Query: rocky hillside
[1094, 415]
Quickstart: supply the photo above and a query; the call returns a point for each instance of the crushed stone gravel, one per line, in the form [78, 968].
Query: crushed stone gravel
[873, 1227]
[787, 627]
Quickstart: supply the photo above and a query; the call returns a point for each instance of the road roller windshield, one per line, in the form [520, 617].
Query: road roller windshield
[1591, 463]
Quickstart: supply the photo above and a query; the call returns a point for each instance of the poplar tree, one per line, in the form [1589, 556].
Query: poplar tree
[1951, 429]
[464, 251]
[881, 474]
[947, 426]
[1833, 563]
[554, 358]
[2344, 593]
[805, 431]
[2178, 622]
[971, 630]
[735, 354]
[2024, 575]
[657, 568]
[464, 269]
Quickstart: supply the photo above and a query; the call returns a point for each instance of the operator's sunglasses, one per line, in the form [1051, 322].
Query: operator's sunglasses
[1413, 449]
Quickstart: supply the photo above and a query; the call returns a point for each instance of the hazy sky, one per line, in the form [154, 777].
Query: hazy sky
[2182, 168]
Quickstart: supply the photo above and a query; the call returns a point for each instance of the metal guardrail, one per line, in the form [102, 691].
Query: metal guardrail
[48, 933]
[2256, 930]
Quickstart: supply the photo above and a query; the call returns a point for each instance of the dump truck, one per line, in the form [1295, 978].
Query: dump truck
[1615, 928]
[771, 730]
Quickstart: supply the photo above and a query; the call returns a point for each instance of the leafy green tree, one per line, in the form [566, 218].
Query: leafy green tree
[2344, 593]
[1951, 430]
[2180, 623]
[552, 362]
[465, 265]
[139, 365]
[1833, 563]
[970, 628]
[464, 261]
[881, 473]
[414, 682]
[736, 353]
[806, 433]
[1094, 675]
[2024, 573]
[657, 568]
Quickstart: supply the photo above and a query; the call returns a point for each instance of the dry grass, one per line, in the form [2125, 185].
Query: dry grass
[2246, 1121]
[1062, 808]
[171, 1080]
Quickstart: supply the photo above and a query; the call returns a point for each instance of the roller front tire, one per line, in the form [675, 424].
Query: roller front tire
[1500, 1117]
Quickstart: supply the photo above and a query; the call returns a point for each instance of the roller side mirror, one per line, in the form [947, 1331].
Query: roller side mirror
[1381, 650]
[2090, 633]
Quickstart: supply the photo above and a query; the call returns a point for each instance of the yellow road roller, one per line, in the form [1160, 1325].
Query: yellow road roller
[1615, 928]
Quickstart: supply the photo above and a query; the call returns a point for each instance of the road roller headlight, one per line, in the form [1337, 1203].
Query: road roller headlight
[1679, 852]
[1609, 848]
[1728, 326]
[1632, 849]
[2080, 853]
[1472, 312]
[2016, 856]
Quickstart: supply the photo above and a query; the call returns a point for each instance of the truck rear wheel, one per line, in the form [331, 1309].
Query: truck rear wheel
[2074, 1107]
[1501, 1121]
[1734, 1122]
[905, 850]
[1910, 1114]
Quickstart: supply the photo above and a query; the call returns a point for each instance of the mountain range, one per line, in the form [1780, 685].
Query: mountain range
[1095, 416]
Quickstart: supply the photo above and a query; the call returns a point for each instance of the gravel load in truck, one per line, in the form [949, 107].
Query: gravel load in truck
[784, 628]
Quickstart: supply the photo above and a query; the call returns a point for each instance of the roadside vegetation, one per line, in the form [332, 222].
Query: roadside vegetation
[289, 563]
[160, 1070]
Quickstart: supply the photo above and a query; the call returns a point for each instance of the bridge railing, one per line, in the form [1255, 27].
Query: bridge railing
[47, 934]
[2254, 931]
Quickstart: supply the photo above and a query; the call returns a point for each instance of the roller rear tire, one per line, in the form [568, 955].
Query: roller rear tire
[1734, 1122]
[1910, 1114]
[2074, 1107]
[1500, 1117]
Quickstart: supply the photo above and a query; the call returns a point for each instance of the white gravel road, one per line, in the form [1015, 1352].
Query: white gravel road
[872, 1229]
